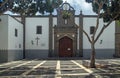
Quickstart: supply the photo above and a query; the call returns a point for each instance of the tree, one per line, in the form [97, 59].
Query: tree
[5, 5]
[28, 8]
[109, 10]
[1, 2]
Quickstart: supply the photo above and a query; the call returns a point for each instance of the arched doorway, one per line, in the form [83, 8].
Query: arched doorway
[65, 47]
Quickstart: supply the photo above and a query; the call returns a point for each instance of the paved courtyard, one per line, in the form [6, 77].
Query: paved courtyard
[58, 69]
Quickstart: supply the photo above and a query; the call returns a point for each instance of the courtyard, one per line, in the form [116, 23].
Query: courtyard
[59, 68]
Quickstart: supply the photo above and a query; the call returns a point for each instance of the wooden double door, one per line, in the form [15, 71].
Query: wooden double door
[65, 47]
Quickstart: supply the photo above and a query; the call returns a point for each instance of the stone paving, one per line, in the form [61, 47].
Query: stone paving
[58, 69]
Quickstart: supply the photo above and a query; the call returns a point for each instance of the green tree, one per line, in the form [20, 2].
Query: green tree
[5, 5]
[28, 8]
[109, 10]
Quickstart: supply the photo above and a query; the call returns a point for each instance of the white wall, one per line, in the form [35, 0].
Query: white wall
[4, 32]
[15, 42]
[9, 44]
[31, 23]
[108, 36]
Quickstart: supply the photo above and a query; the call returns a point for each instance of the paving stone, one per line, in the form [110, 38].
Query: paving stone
[3, 68]
[66, 62]
[79, 76]
[117, 61]
[73, 71]
[47, 76]
[21, 68]
[98, 71]
[110, 70]
[102, 62]
[46, 67]
[11, 73]
[29, 66]
[42, 71]
[34, 63]
[110, 75]
[48, 70]
[117, 68]
[79, 61]
[11, 65]
[37, 76]
[69, 66]
[114, 65]
[49, 64]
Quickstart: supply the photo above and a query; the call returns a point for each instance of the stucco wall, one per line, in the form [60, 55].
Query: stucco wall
[3, 38]
[105, 46]
[31, 24]
[15, 44]
[40, 50]
[4, 32]
[107, 38]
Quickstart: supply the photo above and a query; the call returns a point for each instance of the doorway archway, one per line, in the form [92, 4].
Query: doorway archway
[65, 47]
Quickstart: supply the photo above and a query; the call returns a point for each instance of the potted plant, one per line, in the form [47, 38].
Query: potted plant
[66, 14]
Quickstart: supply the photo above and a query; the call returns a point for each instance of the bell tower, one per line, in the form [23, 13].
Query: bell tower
[65, 32]
[66, 15]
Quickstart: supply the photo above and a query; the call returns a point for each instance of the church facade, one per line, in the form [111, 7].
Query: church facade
[54, 36]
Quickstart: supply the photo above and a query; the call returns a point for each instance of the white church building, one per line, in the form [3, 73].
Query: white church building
[51, 36]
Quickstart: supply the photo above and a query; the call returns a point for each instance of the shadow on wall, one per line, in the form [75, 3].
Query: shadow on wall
[10, 55]
[33, 54]
[100, 53]
[3, 56]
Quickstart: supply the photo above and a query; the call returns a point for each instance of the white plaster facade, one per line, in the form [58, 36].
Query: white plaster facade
[34, 48]
[11, 47]
[14, 45]
[4, 32]
[108, 36]
[47, 44]
[31, 24]
[15, 42]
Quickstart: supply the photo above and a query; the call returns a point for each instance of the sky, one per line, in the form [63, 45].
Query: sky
[78, 5]
[81, 5]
